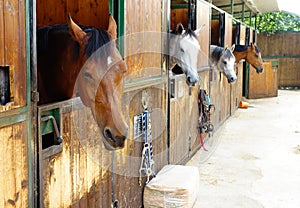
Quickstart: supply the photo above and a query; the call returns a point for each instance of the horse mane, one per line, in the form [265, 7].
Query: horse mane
[188, 31]
[217, 53]
[241, 48]
[97, 39]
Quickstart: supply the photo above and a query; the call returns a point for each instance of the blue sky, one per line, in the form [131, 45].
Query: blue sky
[292, 6]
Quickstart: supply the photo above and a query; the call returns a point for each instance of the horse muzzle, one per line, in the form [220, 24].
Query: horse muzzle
[113, 141]
[231, 79]
[259, 70]
[190, 81]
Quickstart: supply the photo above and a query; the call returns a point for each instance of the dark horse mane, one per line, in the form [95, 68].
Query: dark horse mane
[241, 48]
[219, 51]
[187, 32]
[97, 39]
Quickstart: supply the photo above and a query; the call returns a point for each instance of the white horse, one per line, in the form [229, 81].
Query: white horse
[223, 60]
[184, 50]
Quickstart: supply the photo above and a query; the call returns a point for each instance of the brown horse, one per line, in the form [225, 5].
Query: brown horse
[251, 54]
[84, 61]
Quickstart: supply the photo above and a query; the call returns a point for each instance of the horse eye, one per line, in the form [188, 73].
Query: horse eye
[225, 62]
[88, 75]
[256, 55]
[182, 50]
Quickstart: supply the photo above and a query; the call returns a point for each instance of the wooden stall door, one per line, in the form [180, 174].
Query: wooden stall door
[16, 142]
[219, 88]
[179, 119]
[284, 47]
[264, 84]
[76, 172]
[238, 37]
[146, 80]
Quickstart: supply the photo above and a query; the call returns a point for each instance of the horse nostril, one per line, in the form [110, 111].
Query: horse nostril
[107, 133]
[231, 79]
[122, 138]
[189, 79]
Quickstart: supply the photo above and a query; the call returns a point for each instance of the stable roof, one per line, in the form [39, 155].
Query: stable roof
[238, 6]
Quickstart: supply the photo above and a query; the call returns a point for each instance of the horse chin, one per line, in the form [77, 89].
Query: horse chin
[259, 70]
[230, 80]
[110, 145]
[190, 84]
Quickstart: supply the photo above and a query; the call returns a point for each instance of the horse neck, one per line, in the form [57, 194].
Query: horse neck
[239, 55]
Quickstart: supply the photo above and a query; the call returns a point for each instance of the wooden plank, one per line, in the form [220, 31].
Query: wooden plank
[3, 145]
[14, 166]
[283, 44]
[74, 177]
[236, 88]
[10, 185]
[179, 15]
[243, 35]
[14, 33]
[228, 30]
[180, 121]
[2, 34]
[90, 12]
[215, 31]
[127, 161]
[142, 63]
[51, 12]
[203, 11]
[264, 84]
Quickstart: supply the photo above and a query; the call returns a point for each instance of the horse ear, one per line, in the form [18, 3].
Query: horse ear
[232, 47]
[197, 32]
[112, 27]
[253, 46]
[77, 33]
[179, 28]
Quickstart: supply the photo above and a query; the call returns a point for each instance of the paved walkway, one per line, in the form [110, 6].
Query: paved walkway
[254, 159]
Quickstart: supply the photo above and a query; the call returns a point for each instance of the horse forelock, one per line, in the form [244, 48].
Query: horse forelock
[97, 39]
[189, 32]
[228, 53]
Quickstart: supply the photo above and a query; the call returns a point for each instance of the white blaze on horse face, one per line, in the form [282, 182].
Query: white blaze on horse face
[226, 65]
[189, 49]
[229, 70]
[109, 60]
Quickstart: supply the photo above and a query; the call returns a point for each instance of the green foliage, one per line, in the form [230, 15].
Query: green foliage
[277, 21]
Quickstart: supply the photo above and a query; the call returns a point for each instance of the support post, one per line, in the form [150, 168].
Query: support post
[243, 12]
[231, 7]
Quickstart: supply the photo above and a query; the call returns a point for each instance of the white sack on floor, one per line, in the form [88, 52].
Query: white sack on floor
[174, 186]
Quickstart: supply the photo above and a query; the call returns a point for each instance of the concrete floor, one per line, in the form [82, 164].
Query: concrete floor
[254, 158]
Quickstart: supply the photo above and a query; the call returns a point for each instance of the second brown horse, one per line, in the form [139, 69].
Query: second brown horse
[251, 54]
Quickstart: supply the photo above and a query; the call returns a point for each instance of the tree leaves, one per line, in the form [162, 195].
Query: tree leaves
[272, 22]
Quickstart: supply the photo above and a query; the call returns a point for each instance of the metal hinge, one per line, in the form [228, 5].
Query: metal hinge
[35, 96]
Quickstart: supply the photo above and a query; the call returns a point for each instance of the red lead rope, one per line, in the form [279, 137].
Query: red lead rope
[202, 142]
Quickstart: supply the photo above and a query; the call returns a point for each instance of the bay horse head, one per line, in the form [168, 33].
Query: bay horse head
[251, 54]
[184, 50]
[85, 61]
[223, 60]
[100, 83]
